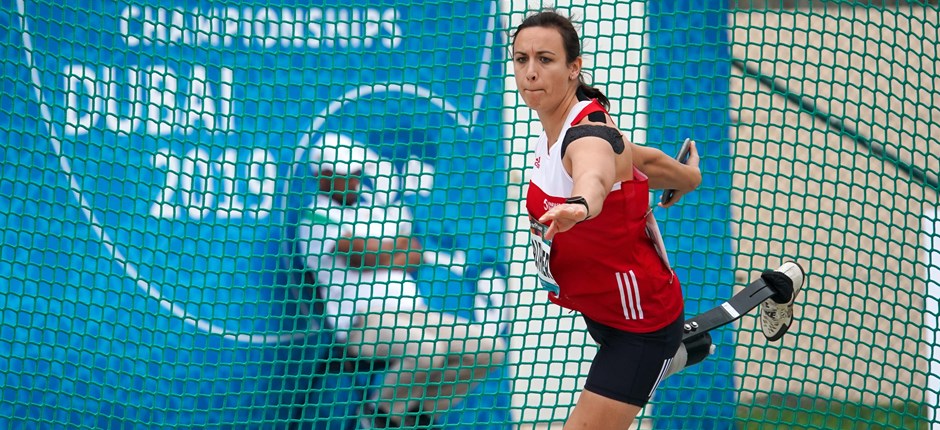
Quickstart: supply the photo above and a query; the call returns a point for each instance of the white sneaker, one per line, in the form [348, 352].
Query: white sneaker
[776, 318]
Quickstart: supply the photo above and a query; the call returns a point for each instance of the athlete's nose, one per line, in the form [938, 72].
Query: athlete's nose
[530, 72]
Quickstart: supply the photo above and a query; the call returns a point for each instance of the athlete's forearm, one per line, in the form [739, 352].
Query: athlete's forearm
[593, 187]
[665, 172]
[594, 173]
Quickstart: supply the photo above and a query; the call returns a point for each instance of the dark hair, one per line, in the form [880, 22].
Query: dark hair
[550, 19]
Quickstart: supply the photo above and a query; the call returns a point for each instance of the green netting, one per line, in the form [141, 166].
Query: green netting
[161, 160]
[836, 161]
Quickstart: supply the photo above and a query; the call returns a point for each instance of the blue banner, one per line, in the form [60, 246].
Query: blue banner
[148, 163]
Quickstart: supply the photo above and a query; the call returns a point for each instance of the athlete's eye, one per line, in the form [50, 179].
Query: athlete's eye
[521, 60]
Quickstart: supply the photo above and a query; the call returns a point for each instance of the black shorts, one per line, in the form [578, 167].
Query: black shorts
[629, 366]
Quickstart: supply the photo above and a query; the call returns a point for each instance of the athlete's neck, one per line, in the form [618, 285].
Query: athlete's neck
[553, 120]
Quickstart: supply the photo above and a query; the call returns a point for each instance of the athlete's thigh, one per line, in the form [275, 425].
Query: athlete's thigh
[629, 366]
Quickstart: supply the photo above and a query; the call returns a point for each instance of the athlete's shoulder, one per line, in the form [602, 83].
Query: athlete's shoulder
[611, 135]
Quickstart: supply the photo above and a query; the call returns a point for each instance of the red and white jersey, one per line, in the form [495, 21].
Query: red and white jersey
[612, 268]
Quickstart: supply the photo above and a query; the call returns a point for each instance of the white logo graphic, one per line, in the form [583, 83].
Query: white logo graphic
[183, 196]
[387, 186]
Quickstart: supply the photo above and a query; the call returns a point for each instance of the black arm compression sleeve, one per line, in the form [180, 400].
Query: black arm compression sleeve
[610, 134]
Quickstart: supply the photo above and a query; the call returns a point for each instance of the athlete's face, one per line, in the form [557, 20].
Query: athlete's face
[543, 74]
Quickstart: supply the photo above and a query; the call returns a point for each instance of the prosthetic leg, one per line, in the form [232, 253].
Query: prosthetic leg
[780, 287]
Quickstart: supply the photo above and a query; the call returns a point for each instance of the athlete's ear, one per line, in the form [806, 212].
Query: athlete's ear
[574, 69]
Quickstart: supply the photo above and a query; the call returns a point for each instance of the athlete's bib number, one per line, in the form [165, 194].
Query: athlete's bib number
[541, 253]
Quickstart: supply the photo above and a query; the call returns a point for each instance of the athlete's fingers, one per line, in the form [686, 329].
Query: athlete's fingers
[676, 195]
[562, 218]
[551, 215]
[571, 212]
[694, 158]
[674, 198]
[551, 231]
[552, 220]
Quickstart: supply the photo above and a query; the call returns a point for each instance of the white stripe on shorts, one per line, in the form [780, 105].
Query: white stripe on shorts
[662, 374]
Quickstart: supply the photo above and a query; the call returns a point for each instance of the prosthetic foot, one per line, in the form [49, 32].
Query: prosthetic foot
[776, 313]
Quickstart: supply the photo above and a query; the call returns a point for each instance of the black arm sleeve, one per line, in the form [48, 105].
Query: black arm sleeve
[610, 134]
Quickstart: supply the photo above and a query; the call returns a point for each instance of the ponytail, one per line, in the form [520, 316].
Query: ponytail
[586, 92]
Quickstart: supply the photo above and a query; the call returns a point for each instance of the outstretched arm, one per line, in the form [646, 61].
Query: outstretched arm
[596, 164]
[593, 166]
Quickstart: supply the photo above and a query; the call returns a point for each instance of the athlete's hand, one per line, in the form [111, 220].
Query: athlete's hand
[563, 217]
[692, 174]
